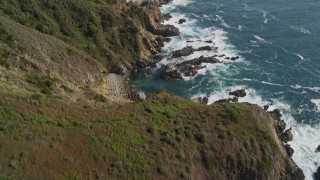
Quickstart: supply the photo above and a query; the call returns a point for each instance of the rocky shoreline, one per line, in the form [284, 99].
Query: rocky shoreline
[189, 68]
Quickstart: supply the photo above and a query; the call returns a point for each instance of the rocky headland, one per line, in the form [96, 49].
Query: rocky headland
[68, 109]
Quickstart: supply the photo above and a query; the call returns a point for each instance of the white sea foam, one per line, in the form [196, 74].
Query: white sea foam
[240, 28]
[317, 103]
[170, 7]
[306, 137]
[265, 21]
[259, 38]
[223, 23]
[301, 29]
[192, 35]
[296, 54]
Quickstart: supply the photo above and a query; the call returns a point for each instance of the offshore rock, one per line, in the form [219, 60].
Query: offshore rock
[238, 93]
[205, 48]
[170, 74]
[181, 21]
[183, 52]
[186, 68]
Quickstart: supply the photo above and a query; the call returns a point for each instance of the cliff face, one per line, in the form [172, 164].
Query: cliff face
[73, 44]
[57, 117]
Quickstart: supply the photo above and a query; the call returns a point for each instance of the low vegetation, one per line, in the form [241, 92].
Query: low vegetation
[162, 136]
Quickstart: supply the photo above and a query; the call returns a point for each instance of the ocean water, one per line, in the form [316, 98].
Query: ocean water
[279, 45]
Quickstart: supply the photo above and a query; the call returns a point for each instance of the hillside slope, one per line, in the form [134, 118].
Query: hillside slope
[65, 113]
[162, 137]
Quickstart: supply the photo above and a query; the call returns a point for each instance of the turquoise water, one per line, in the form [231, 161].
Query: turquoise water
[279, 45]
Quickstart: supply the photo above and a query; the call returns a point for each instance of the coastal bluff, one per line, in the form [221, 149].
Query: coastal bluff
[67, 110]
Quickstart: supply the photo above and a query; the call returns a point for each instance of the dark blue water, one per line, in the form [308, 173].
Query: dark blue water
[279, 41]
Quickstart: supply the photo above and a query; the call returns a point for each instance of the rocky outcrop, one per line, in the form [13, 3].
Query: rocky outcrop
[318, 149]
[152, 2]
[276, 114]
[181, 21]
[238, 93]
[201, 100]
[286, 136]
[206, 48]
[289, 150]
[170, 74]
[183, 52]
[165, 17]
[234, 99]
[190, 50]
[280, 126]
[186, 68]
[166, 31]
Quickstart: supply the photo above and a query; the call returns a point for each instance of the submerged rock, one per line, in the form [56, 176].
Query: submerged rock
[238, 93]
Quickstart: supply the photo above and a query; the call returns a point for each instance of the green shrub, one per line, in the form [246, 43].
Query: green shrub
[101, 98]
[162, 170]
[46, 91]
[36, 96]
[201, 137]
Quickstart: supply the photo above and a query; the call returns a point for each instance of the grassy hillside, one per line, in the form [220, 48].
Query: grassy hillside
[162, 137]
[108, 30]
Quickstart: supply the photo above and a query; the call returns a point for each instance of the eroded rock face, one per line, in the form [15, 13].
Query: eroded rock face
[238, 93]
[165, 17]
[167, 31]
